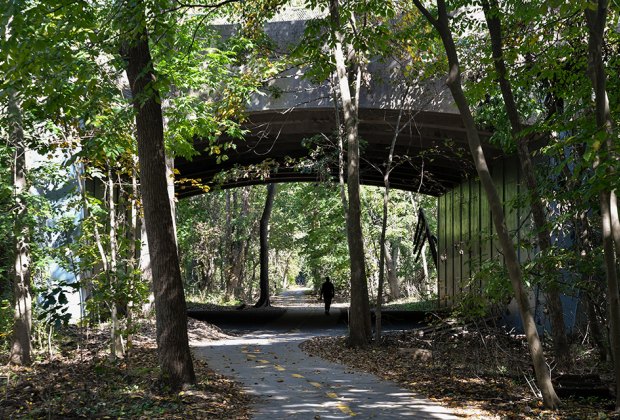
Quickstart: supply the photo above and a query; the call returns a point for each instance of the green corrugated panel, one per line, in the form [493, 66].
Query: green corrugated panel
[450, 247]
[498, 180]
[441, 239]
[441, 243]
[474, 214]
[465, 232]
[457, 213]
[485, 227]
[510, 195]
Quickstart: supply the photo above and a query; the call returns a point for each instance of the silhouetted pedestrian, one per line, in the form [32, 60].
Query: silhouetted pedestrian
[327, 293]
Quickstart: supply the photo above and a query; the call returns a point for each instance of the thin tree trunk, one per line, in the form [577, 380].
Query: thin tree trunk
[170, 187]
[596, 21]
[359, 315]
[382, 244]
[228, 241]
[264, 298]
[146, 271]
[612, 289]
[21, 346]
[170, 308]
[341, 180]
[133, 238]
[240, 247]
[595, 329]
[116, 349]
[453, 81]
[584, 247]
[552, 290]
[615, 221]
[391, 262]
[287, 262]
[425, 280]
[423, 287]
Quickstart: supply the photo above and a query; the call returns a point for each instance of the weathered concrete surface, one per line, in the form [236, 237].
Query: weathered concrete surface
[431, 154]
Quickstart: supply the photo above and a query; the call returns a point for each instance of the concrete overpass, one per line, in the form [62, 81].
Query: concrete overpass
[431, 154]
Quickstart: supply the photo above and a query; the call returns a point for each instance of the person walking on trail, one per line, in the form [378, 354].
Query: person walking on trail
[327, 293]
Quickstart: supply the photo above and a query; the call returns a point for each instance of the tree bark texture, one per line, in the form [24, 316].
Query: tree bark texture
[21, 344]
[264, 298]
[116, 346]
[341, 179]
[391, 263]
[359, 313]
[453, 81]
[596, 21]
[170, 308]
[238, 244]
[552, 290]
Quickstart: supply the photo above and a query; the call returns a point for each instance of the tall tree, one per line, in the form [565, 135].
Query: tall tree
[263, 299]
[359, 314]
[170, 308]
[382, 244]
[21, 344]
[558, 330]
[442, 24]
[596, 18]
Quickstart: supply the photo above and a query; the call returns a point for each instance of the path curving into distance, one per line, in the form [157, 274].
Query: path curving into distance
[291, 384]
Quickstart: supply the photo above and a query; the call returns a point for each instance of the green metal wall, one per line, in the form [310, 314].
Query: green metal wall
[466, 236]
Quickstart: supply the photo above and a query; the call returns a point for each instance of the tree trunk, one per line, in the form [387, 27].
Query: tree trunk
[359, 314]
[170, 308]
[146, 271]
[554, 303]
[391, 262]
[264, 299]
[116, 347]
[287, 262]
[228, 245]
[238, 243]
[453, 81]
[21, 345]
[615, 221]
[382, 245]
[170, 187]
[341, 179]
[382, 255]
[131, 266]
[425, 280]
[423, 286]
[596, 21]
[584, 247]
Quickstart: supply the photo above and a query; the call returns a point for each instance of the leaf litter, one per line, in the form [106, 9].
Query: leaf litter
[480, 371]
[80, 381]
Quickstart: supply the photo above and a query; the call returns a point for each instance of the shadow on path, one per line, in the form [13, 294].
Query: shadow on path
[290, 384]
[295, 309]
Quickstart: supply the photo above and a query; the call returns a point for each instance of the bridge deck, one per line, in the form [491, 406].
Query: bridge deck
[431, 154]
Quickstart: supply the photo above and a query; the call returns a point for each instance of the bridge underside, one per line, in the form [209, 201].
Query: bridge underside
[431, 155]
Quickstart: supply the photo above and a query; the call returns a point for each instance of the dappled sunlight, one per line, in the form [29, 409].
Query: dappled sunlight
[291, 383]
[258, 339]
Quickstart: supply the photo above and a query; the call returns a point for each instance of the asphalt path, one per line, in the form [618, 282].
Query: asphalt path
[290, 384]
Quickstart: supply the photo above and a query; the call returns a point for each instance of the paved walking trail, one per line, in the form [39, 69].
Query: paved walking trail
[291, 384]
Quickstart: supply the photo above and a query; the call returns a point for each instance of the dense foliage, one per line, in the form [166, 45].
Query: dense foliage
[307, 236]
